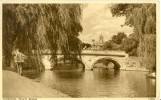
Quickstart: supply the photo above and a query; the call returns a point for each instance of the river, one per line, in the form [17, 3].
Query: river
[99, 83]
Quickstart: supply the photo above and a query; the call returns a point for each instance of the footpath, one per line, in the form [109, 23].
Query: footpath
[15, 85]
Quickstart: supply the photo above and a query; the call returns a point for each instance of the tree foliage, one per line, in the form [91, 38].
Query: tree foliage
[142, 17]
[115, 42]
[119, 37]
[107, 45]
[38, 27]
[129, 45]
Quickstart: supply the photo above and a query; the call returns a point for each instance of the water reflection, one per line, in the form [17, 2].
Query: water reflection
[152, 87]
[66, 74]
[99, 83]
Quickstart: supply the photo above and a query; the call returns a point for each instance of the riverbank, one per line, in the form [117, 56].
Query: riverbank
[135, 69]
[15, 85]
[133, 64]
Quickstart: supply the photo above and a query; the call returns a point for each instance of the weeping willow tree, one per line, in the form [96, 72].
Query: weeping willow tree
[38, 27]
[142, 17]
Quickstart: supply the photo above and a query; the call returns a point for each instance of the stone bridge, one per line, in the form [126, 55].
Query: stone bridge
[90, 58]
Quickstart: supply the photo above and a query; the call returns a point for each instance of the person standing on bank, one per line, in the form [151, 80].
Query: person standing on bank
[19, 60]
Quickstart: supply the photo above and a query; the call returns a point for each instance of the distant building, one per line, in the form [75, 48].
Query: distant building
[98, 45]
[101, 39]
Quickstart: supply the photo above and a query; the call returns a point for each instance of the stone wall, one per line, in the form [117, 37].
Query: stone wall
[134, 63]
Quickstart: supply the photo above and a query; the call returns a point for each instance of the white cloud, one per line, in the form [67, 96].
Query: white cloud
[98, 20]
[97, 27]
[91, 9]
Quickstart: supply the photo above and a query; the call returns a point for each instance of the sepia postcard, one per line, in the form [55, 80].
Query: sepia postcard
[77, 49]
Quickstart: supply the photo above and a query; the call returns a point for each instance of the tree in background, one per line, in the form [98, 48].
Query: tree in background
[107, 45]
[119, 37]
[142, 17]
[38, 27]
[129, 45]
[115, 42]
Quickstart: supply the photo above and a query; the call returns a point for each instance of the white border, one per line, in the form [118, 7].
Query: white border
[91, 1]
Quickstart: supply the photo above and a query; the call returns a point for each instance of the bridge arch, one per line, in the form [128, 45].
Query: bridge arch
[72, 58]
[117, 66]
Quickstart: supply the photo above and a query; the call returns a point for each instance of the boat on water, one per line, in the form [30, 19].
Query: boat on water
[151, 75]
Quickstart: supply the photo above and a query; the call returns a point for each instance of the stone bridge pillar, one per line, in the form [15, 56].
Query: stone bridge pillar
[89, 61]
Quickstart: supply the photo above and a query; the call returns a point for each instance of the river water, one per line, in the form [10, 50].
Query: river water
[99, 83]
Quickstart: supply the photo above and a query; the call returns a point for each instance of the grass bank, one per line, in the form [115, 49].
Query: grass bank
[15, 85]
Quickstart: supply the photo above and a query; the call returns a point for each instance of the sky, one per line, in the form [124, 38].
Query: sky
[97, 19]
